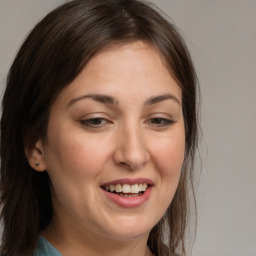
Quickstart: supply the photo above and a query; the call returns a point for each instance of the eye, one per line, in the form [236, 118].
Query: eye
[160, 121]
[96, 122]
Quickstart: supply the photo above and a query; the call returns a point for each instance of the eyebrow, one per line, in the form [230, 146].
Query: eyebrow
[109, 100]
[96, 97]
[156, 99]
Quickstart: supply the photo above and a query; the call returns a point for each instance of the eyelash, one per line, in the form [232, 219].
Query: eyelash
[161, 122]
[94, 122]
[99, 122]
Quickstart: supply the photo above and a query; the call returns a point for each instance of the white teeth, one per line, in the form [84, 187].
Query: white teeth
[118, 188]
[126, 188]
[135, 188]
[112, 188]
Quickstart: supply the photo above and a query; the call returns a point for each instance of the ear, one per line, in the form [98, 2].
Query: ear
[35, 156]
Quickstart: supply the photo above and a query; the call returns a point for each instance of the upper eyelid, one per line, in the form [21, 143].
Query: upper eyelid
[162, 118]
[93, 118]
[115, 116]
[86, 122]
[107, 117]
[95, 115]
[160, 115]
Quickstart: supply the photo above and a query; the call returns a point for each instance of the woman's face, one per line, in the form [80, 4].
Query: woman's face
[118, 126]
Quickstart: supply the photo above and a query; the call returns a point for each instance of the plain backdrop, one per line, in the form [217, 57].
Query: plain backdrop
[221, 35]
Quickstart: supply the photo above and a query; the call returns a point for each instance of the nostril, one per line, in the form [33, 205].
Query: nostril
[124, 164]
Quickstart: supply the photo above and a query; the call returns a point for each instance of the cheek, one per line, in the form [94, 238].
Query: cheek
[75, 163]
[169, 156]
[90, 154]
[76, 155]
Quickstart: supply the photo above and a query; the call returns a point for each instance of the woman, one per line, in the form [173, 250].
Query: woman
[98, 134]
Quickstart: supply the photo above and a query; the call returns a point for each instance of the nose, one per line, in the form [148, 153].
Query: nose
[131, 150]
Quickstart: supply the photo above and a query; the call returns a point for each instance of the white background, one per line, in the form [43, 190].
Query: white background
[221, 35]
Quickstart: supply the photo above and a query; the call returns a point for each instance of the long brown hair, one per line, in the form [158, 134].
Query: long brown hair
[51, 57]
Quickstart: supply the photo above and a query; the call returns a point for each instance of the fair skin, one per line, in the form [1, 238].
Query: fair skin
[119, 122]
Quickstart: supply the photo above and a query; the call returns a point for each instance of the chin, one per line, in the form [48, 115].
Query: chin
[130, 228]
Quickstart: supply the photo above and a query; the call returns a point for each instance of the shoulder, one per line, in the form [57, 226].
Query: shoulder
[44, 248]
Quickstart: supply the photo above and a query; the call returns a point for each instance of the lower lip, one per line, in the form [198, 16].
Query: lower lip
[129, 202]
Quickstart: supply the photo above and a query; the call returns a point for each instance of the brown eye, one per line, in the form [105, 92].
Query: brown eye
[159, 121]
[94, 122]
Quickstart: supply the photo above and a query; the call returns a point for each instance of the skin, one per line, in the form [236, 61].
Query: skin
[89, 143]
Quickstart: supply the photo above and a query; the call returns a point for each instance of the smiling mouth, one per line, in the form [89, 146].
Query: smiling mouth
[126, 190]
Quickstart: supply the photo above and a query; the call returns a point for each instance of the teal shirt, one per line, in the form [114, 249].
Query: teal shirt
[44, 248]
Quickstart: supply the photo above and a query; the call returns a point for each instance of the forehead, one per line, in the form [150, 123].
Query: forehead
[127, 54]
[131, 68]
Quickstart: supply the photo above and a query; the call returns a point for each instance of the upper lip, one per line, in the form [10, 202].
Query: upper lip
[129, 181]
